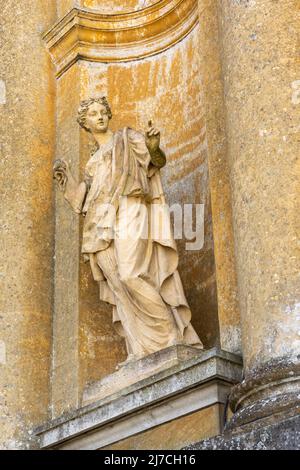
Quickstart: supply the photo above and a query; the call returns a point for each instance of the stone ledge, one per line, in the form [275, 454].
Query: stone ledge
[137, 371]
[187, 387]
[97, 37]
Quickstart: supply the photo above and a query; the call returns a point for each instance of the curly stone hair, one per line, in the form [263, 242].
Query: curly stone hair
[84, 106]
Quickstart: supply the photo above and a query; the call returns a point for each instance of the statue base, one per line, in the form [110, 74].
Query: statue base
[173, 407]
[136, 371]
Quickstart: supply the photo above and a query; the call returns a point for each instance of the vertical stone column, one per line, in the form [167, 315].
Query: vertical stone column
[27, 140]
[215, 119]
[260, 67]
[65, 354]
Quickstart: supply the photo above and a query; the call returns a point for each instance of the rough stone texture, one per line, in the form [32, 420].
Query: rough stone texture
[281, 436]
[109, 6]
[261, 72]
[213, 99]
[26, 271]
[118, 5]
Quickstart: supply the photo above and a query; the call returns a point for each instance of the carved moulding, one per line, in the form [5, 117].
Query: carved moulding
[271, 389]
[89, 35]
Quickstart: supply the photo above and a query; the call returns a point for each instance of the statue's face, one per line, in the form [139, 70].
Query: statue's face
[97, 119]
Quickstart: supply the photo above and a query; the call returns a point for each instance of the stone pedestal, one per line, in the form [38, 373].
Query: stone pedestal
[136, 371]
[181, 403]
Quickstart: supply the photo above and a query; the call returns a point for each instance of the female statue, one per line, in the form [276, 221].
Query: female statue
[136, 270]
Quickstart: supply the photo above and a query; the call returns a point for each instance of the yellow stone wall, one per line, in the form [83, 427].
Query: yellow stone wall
[176, 434]
[63, 6]
[210, 47]
[107, 6]
[27, 139]
[118, 5]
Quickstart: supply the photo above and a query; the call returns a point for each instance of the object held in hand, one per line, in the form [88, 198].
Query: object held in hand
[59, 165]
[60, 172]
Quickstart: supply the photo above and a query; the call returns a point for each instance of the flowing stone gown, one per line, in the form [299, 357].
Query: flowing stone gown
[133, 256]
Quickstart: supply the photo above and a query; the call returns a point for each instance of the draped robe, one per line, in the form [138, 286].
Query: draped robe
[133, 259]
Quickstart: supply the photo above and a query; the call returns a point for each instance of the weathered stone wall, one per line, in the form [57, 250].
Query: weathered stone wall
[109, 6]
[118, 5]
[176, 433]
[27, 101]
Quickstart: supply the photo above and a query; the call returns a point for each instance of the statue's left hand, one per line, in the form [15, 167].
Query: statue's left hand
[152, 138]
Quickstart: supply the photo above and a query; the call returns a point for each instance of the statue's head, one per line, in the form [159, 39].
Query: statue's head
[94, 115]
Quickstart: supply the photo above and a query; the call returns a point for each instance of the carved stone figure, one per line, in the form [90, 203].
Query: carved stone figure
[136, 270]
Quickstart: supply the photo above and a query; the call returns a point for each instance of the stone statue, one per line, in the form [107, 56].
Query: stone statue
[137, 273]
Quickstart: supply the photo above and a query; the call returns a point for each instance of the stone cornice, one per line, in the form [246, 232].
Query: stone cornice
[97, 37]
[176, 391]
